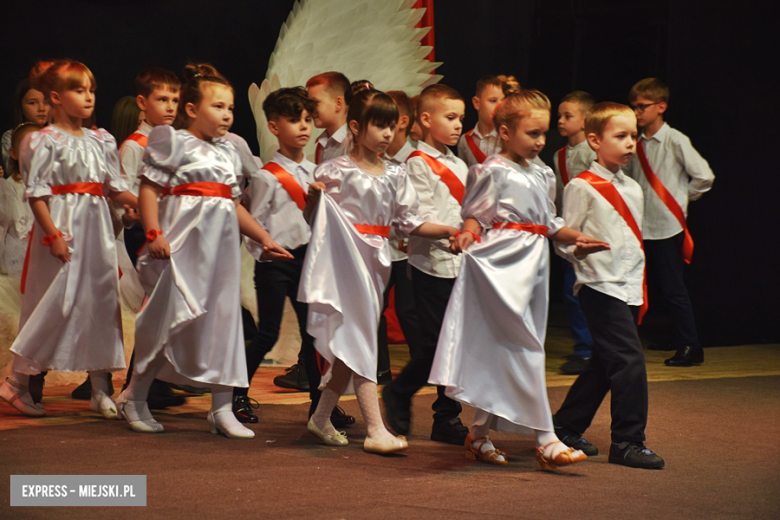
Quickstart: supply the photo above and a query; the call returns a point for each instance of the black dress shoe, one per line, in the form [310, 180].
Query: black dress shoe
[83, 392]
[293, 378]
[35, 386]
[384, 378]
[398, 414]
[242, 409]
[339, 419]
[451, 432]
[161, 396]
[686, 357]
[573, 440]
[575, 365]
[634, 455]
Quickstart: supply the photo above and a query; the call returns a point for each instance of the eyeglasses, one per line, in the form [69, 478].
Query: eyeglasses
[643, 106]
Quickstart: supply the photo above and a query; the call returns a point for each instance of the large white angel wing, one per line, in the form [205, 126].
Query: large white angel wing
[364, 39]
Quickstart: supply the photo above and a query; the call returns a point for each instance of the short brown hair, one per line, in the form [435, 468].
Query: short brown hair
[597, 119]
[337, 83]
[405, 107]
[371, 106]
[516, 106]
[288, 102]
[651, 88]
[153, 78]
[433, 93]
[59, 76]
[507, 84]
[584, 101]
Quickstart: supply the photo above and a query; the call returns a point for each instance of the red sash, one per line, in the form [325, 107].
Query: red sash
[537, 229]
[564, 171]
[611, 194]
[479, 155]
[200, 189]
[138, 138]
[289, 183]
[450, 179]
[318, 153]
[382, 231]
[667, 199]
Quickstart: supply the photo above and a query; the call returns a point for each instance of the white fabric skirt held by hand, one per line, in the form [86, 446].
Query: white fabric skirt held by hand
[490, 353]
[343, 281]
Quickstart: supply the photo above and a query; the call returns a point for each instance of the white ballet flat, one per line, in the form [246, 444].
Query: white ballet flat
[138, 415]
[102, 404]
[12, 394]
[218, 425]
[337, 439]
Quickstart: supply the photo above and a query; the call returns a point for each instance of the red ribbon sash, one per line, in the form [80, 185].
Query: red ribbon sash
[537, 229]
[90, 188]
[479, 155]
[667, 199]
[318, 153]
[382, 231]
[450, 179]
[611, 194]
[289, 183]
[138, 138]
[564, 171]
[200, 189]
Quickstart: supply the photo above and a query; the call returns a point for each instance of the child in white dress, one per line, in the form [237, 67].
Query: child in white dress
[70, 318]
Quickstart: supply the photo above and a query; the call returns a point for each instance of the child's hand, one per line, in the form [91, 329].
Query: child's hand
[462, 242]
[587, 245]
[130, 217]
[59, 249]
[273, 251]
[159, 248]
[315, 188]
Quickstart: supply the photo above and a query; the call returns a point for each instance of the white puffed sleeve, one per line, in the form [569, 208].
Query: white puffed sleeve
[162, 156]
[112, 178]
[480, 200]
[36, 162]
[407, 202]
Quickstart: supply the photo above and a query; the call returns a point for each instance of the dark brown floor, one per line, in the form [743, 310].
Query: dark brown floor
[718, 437]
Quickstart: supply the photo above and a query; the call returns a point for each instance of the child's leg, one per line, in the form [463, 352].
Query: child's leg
[577, 323]
[101, 402]
[221, 417]
[131, 403]
[340, 375]
[15, 391]
[479, 434]
[369, 407]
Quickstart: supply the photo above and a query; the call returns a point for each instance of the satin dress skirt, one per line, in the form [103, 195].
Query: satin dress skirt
[490, 353]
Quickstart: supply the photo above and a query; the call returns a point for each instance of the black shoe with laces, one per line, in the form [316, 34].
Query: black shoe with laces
[576, 441]
[293, 378]
[339, 419]
[575, 365]
[161, 396]
[634, 455]
[451, 432]
[242, 409]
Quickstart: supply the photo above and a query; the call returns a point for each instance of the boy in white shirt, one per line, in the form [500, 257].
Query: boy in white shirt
[570, 161]
[608, 205]
[329, 91]
[275, 198]
[671, 173]
[482, 141]
[439, 178]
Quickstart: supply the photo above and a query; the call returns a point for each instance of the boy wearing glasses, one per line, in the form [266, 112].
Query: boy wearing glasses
[671, 173]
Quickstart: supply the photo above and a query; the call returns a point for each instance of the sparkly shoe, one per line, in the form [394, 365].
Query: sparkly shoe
[137, 415]
[337, 439]
[489, 456]
[385, 448]
[221, 424]
[568, 456]
[12, 394]
[102, 404]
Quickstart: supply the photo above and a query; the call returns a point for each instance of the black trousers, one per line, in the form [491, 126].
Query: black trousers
[275, 281]
[404, 310]
[617, 363]
[665, 264]
[134, 239]
[431, 295]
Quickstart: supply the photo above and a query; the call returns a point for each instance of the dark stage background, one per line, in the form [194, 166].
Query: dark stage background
[713, 55]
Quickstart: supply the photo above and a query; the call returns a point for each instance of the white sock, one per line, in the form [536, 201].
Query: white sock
[221, 398]
[481, 428]
[331, 394]
[138, 389]
[99, 380]
[369, 407]
[544, 438]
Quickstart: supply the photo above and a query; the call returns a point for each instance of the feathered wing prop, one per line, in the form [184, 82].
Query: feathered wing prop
[364, 39]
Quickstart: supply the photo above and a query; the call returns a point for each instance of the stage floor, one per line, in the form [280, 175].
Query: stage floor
[715, 425]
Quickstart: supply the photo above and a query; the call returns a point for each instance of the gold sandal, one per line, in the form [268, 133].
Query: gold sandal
[564, 458]
[489, 456]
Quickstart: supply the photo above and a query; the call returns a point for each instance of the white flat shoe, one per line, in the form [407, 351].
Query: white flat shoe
[138, 415]
[221, 423]
[337, 439]
[12, 394]
[102, 404]
[383, 448]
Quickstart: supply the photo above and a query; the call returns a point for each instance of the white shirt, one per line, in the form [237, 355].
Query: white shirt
[618, 272]
[335, 145]
[437, 205]
[395, 252]
[273, 208]
[490, 144]
[131, 155]
[578, 159]
[680, 169]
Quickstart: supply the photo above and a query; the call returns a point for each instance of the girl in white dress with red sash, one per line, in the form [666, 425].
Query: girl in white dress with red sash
[348, 263]
[190, 329]
[70, 317]
[491, 348]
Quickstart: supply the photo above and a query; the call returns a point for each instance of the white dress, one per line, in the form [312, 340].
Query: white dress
[70, 317]
[490, 353]
[345, 272]
[193, 315]
[16, 220]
